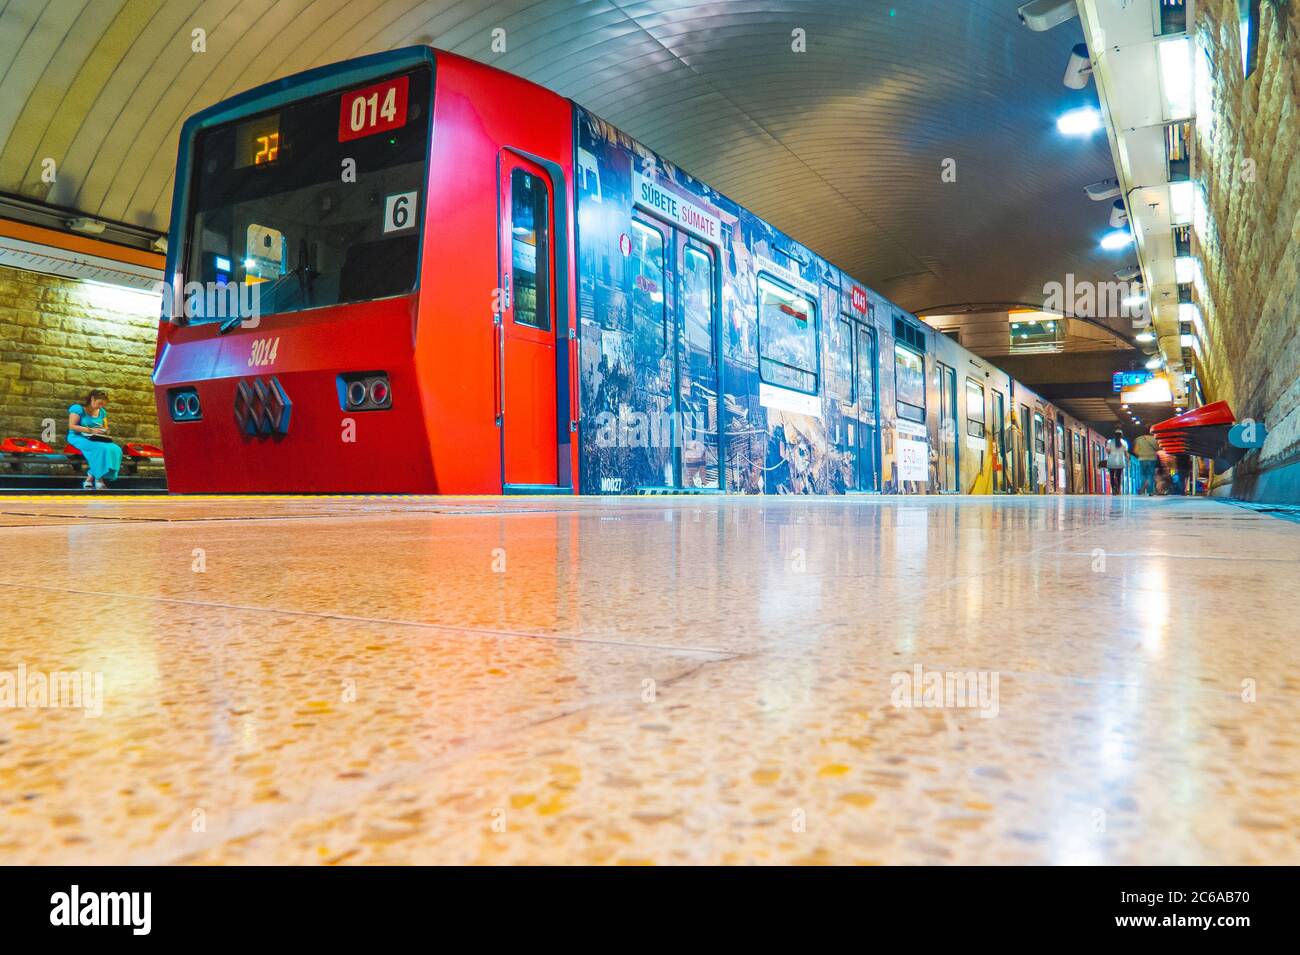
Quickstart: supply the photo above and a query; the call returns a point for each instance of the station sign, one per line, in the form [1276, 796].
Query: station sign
[679, 211]
[1128, 379]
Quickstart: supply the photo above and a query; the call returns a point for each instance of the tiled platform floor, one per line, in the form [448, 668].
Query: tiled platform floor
[663, 680]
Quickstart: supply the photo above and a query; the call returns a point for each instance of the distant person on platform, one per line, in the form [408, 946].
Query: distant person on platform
[88, 433]
[1184, 484]
[1116, 460]
[1147, 451]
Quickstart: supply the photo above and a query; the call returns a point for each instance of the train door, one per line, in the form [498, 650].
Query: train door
[526, 326]
[696, 416]
[1000, 441]
[1039, 454]
[1024, 456]
[1062, 480]
[947, 429]
[864, 385]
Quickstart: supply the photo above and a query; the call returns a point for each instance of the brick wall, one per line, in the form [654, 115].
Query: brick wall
[1249, 242]
[59, 338]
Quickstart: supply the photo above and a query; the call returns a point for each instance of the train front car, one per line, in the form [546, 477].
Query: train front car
[342, 312]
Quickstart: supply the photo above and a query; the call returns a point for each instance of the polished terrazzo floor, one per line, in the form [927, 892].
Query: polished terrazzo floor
[652, 680]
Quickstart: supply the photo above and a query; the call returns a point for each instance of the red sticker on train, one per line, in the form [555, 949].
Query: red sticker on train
[859, 298]
[374, 109]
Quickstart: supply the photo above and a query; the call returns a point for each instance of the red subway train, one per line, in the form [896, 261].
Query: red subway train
[414, 273]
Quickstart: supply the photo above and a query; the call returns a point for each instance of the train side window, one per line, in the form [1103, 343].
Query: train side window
[646, 263]
[530, 250]
[909, 383]
[974, 408]
[787, 337]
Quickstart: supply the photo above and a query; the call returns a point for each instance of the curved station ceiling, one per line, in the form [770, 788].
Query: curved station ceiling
[843, 144]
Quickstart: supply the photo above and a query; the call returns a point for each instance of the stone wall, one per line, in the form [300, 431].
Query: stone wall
[59, 338]
[1248, 237]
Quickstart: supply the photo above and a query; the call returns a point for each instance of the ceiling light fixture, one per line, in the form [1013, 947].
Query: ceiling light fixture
[1101, 191]
[1040, 15]
[1083, 121]
[1119, 239]
[1176, 77]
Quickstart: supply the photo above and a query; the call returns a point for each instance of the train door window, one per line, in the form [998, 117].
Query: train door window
[909, 383]
[530, 243]
[646, 282]
[974, 408]
[787, 337]
[948, 450]
[1078, 450]
[1000, 440]
[841, 368]
[697, 304]
[1025, 454]
[1040, 436]
[866, 383]
[697, 366]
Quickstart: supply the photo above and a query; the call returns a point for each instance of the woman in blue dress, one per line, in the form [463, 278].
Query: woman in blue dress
[88, 433]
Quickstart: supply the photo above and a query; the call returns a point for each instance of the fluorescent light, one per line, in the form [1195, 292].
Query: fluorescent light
[121, 298]
[1182, 202]
[223, 264]
[1133, 301]
[1154, 362]
[1187, 341]
[1079, 122]
[1144, 337]
[1119, 239]
[1185, 269]
[1190, 312]
[1176, 77]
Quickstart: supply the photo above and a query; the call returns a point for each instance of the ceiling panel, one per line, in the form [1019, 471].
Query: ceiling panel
[841, 145]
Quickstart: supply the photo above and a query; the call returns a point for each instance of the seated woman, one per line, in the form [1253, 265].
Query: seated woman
[88, 433]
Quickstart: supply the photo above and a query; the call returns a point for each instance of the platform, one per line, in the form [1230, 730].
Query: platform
[659, 680]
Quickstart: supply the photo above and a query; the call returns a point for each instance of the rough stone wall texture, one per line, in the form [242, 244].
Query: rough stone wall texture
[1248, 159]
[58, 339]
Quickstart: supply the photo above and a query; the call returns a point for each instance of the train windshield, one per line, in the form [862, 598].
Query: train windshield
[318, 203]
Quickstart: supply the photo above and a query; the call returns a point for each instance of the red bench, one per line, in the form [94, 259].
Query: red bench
[17, 453]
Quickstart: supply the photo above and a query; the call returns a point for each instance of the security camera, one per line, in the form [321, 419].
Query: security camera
[1118, 214]
[1040, 15]
[1079, 69]
[1100, 191]
[1128, 273]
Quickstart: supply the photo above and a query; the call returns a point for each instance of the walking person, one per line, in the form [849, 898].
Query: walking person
[1183, 483]
[88, 433]
[1116, 460]
[1147, 452]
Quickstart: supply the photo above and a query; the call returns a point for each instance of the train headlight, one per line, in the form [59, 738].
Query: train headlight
[356, 393]
[365, 391]
[184, 404]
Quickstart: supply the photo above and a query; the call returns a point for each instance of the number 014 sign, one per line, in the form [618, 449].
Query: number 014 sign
[375, 109]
